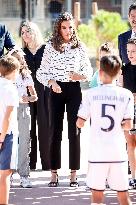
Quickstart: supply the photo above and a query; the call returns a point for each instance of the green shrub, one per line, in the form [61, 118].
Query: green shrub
[105, 26]
[88, 35]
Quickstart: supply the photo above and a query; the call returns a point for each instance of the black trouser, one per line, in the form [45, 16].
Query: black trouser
[71, 96]
[40, 114]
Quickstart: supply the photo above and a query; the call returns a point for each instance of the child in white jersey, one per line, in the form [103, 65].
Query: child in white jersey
[111, 111]
[9, 101]
[24, 82]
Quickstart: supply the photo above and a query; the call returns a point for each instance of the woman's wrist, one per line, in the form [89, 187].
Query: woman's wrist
[51, 82]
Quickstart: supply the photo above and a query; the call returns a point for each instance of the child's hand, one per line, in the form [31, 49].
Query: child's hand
[80, 122]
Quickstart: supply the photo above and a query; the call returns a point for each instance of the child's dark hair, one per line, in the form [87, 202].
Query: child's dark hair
[111, 65]
[132, 41]
[8, 64]
[132, 7]
[107, 47]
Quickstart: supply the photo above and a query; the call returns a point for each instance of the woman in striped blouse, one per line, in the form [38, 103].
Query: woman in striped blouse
[64, 64]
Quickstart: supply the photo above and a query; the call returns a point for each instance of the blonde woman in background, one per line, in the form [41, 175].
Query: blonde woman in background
[33, 47]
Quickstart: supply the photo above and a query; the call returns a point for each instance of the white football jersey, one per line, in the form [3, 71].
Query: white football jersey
[107, 106]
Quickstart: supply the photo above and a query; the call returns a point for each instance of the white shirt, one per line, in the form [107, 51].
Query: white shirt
[8, 97]
[57, 66]
[107, 106]
[133, 34]
[22, 84]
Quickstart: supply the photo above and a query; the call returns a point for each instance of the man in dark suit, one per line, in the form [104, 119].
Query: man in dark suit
[123, 38]
[6, 40]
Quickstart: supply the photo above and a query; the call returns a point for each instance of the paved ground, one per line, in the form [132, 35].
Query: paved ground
[62, 195]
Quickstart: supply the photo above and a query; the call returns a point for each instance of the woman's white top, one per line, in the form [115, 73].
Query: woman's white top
[23, 83]
[8, 97]
[57, 66]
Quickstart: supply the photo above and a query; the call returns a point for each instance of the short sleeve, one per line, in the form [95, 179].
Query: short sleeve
[84, 109]
[12, 98]
[29, 80]
[129, 111]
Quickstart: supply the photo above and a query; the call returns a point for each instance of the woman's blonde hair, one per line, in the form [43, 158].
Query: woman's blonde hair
[34, 29]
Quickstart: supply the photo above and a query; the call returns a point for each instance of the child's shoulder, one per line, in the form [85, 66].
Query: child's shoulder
[124, 91]
[8, 87]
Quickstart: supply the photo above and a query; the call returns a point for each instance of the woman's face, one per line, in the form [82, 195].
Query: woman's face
[66, 30]
[26, 34]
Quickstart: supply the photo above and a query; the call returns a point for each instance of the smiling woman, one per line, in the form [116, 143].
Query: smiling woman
[33, 47]
[64, 64]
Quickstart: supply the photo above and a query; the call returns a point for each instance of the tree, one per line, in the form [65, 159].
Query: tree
[105, 26]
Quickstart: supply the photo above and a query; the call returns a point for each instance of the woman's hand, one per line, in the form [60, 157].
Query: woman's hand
[76, 76]
[55, 87]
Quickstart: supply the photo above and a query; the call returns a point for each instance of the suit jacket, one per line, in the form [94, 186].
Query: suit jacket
[6, 40]
[122, 45]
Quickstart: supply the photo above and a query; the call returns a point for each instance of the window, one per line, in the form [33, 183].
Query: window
[9, 9]
[116, 2]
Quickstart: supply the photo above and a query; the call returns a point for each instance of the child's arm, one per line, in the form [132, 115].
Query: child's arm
[80, 122]
[134, 94]
[5, 124]
[127, 124]
[32, 97]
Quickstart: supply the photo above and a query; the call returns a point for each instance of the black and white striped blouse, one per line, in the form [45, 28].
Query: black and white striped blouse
[57, 66]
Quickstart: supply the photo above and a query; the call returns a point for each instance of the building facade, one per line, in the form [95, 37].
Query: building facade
[37, 10]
